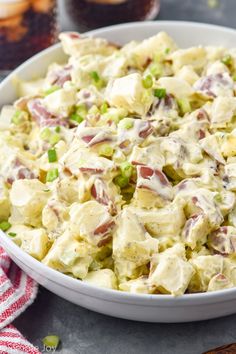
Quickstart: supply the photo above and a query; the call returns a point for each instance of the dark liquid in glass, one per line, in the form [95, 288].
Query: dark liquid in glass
[25, 34]
[90, 14]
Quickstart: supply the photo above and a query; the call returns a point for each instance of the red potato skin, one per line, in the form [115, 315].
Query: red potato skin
[104, 228]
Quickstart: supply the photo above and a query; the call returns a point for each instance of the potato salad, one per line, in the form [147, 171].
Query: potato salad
[118, 168]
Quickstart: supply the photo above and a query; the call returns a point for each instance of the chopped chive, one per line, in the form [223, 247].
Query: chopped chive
[106, 150]
[76, 118]
[5, 225]
[51, 341]
[167, 50]
[58, 129]
[147, 82]
[12, 234]
[227, 60]
[45, 134]
[234, 77]
[94, 75]
[121, 181]
[104, 108]
[160, 92]
[52, 175]
[126, 169]
[51, 90]
[54, 139]
[52, 155]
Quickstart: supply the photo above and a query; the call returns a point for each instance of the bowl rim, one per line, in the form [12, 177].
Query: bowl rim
[76, 285]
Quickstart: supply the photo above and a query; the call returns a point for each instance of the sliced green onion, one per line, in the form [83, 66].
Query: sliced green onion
[167, 50]
[18, 117]
[104, 108]
[218, 198]
[234, 77]
[213, 4]
[51, 341]
[156, 69]
[5, 225]
[54, 139]
[126, 169]
[94, 75]
[121, 181]
[45, 134]
[76, 118]
[227, 60]
[52, 155]
[81, 110]
[184, 105]
[94, 110]
[147, 82]
[12, 234]
[106, 150]
[58, 129]
[51, 90]
[52, 175]
[127, 123]
[160, 92]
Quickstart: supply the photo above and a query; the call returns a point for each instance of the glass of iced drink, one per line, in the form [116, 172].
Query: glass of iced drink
[26, 27]
[90, 14]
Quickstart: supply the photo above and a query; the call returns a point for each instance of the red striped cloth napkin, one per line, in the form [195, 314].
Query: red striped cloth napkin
[17, 292]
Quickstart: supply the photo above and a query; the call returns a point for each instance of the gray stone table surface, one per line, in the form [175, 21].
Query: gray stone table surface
[86, 332]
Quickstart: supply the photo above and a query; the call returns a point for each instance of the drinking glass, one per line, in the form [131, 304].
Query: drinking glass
[26, 27]
[89, 14]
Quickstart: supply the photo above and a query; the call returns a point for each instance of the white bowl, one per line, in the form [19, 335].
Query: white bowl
[152, 308]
